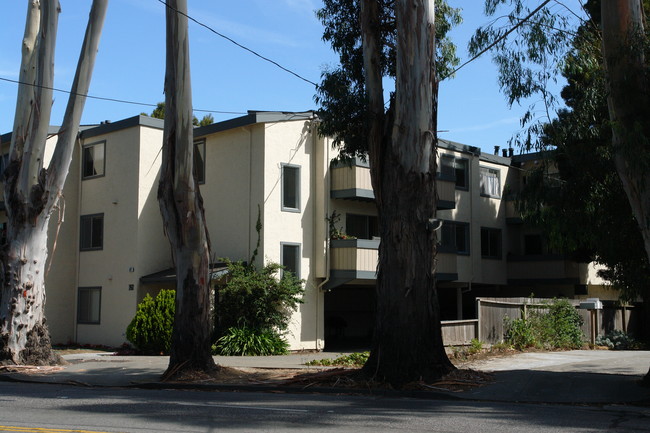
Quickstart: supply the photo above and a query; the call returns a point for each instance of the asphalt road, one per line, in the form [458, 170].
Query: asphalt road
[46, 408]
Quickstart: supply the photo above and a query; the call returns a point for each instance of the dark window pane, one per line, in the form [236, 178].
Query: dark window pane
[89, 305]
[462, 173]
[290, 187]
[290, 259]
[92, 232]
[199, 161]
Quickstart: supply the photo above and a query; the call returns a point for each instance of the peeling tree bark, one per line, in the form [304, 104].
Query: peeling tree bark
[181, 206]
[31, 192]
[407, 343]
[624, 42]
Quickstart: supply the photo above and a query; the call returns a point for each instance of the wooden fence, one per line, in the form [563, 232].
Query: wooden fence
[489, 327]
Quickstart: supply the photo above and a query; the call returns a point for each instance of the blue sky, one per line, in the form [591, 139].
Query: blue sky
[130, 64]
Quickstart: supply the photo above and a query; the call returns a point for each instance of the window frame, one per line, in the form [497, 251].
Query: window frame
[283, 205]
[86, 147]
[79, 306]
[497, 255]
[368, 221]
[453, 226]
[82, 238]
[200, 175]
[298, 246]
[465, 177]
[498, 176]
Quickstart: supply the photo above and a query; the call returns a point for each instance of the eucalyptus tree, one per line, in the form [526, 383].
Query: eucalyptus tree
[397, 39]
[32, 192]
[545, 40]
[181, 206]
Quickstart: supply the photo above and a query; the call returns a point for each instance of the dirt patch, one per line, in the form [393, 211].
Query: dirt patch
[350, 379]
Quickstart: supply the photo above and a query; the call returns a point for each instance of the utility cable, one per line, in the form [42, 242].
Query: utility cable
[255, 53]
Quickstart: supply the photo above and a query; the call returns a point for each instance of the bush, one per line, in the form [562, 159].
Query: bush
[356, 359]
[150, 331]
[247, 341]
[257, 299]
[618, 340]
[554, 327]
[519, 333]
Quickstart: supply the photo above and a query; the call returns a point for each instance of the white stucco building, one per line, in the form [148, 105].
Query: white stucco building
[111, 248]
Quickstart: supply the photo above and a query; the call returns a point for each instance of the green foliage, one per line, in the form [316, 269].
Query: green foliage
[336, 232]
[475, 346]
[576, 194]
[159, 113]
[342, 95]
[151, 329]
[357, 359]
[556, 326]
[528, 60]
[618, 340]
[257, 300]
[519, 333]
[246, 341]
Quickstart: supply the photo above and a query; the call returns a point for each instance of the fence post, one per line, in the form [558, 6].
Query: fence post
[478, 316]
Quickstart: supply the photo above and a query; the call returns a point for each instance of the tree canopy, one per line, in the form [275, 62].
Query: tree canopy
[342, 93]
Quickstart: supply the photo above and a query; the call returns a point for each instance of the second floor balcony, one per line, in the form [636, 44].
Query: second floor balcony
[351, 181]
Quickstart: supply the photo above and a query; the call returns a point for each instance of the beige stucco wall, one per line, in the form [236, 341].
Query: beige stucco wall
[294, 143]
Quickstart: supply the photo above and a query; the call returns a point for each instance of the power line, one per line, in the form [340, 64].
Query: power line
[500, 38]
[255, 53]
[101, 98]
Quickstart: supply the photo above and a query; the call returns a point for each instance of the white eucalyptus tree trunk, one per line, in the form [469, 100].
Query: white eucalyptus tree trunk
[181, 206]
[31, 191]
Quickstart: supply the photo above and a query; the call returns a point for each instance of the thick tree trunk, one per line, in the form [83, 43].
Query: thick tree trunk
[31, 193]
[624, 43]
[181, 206]
[407, 343]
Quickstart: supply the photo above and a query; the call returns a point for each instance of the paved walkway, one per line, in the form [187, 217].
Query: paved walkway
[575, 377]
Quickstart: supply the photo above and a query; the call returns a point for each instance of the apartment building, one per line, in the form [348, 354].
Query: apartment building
[111, 249]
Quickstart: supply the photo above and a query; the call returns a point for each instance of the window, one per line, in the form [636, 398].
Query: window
[454, 236]
[290, 188]
[490, 243]
[93, 160]
[361, 226]
[199, 161]
[92, 232]
[89, 301]
[490, 182]
[291, 258]
[447, 168]
[461, 170]
[4, 163]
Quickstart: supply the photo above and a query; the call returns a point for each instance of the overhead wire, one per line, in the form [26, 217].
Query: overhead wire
[229, 39]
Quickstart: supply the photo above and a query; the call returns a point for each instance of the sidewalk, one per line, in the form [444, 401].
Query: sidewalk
[574, 377]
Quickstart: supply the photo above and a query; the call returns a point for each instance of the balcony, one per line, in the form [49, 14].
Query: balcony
[513, 216]
[352, 182]
[354, 261]
[542, 269]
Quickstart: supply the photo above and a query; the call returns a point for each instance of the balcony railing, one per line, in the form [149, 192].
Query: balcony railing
[547, 268]
[355, 261]
[352, 181]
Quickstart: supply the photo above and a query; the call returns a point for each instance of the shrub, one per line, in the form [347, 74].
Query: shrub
[618, 340]
[257, 299]
[356, 359]
[556, 326]
[519, 333]
[150, 331]
[247, 341]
